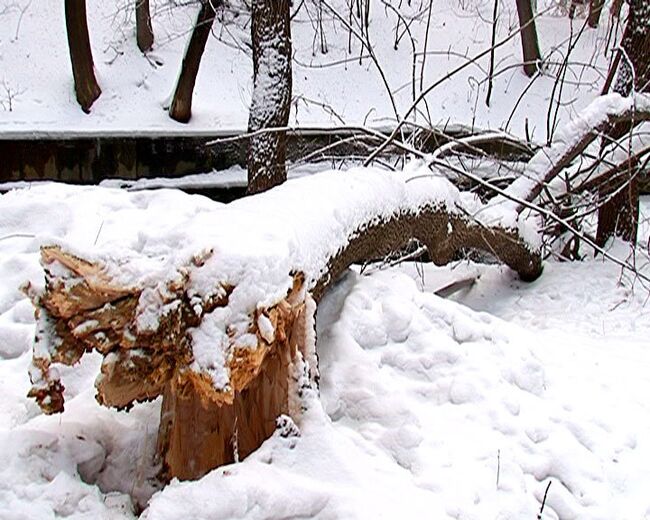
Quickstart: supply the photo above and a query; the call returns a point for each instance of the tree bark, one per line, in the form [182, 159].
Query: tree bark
[83, 309]
[529, 41]
[86, 87]
[143, 27]
[271, 101]
[595, 10]
[181, 107]
[619, 215]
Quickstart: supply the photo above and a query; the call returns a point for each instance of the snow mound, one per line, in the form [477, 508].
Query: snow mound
[428, 409]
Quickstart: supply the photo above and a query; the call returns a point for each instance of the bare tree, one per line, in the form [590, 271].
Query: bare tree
[619, 215]
[271, 35]
[529, 41]
[181, 107]
[144, 30]
[85, 84]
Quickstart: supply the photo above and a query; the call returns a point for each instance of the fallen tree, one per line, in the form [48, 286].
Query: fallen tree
[218, 315]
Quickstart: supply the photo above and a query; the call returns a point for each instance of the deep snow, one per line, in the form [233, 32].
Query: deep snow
[428, 407]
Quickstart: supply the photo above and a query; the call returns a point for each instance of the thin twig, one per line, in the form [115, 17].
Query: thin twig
[539, 515]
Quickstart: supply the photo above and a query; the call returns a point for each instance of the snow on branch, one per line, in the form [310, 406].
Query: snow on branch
[549, 162]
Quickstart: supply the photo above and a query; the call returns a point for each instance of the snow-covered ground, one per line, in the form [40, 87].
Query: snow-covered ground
[328, 88]
[429, 408]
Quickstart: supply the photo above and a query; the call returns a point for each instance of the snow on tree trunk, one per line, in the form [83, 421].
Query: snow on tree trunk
[271, 101]
[219, 317]
[181, 107]
[529, 42]
[143, 28]
[619, 214]
[85, 84]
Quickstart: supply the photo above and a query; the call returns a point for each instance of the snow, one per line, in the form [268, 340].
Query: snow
[328, 88]
[428, 407]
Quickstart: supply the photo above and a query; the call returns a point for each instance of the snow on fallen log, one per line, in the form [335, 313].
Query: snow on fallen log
[217, 315]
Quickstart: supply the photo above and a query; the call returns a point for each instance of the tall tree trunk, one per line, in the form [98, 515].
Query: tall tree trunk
[181, 107]
[595, 9]
[529, 42]
[143, 28]
[85, 84]
[619, 216]
[271, 35]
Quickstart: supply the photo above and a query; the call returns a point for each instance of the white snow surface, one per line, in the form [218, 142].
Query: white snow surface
[428, 408]
[329, 88]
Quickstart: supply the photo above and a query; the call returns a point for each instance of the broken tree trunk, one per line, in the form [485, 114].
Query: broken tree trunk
[221, 324]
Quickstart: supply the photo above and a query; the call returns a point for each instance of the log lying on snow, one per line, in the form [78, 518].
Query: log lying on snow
[217, 316]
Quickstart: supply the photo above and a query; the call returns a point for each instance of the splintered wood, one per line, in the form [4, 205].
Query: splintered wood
[201, 427]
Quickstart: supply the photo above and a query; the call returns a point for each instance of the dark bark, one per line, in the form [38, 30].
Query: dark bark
[144, 30]
[85, 84]
[271, 102]
[619, 215]
[634, 70]
[181, 107]
[595, 10]
[529, 41]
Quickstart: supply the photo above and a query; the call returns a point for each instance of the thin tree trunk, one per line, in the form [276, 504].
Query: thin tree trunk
[529, 41]
[619, 216]
[144, 30]
[181, 107]
[271, 102]
[615, 9]
[85, 84]
[595, 9]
